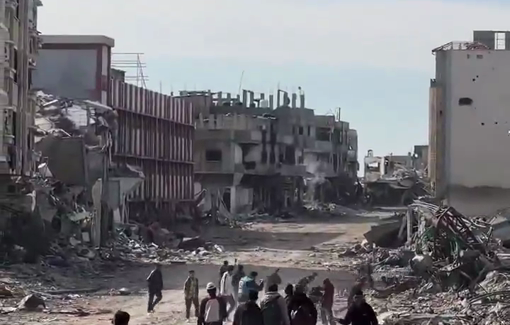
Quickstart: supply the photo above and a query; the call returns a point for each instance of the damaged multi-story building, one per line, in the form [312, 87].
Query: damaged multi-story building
[258, 151]
[20, 40]
[149, 164]
[469, 123]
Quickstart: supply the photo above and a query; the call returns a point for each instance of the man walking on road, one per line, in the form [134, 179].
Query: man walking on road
[227, 289]
[191, 294]
[359, 312]
[236, 278]
[213, 310]
[155, 284]
[223, 269]
[249, 313]
[121, 318]
[247, 284]
[302, 309]
[274, 278]
[327, 303]
[274, 307]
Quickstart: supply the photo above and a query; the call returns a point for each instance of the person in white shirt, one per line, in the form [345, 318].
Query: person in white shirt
[227, 289]
[213, 309]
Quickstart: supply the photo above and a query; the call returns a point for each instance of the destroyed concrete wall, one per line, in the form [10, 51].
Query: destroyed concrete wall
[59, 152]
[476, 152]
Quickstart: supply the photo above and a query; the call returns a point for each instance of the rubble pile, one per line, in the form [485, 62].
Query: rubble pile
[329, 209]
[179, 250]
[449, 269]
[399, 185]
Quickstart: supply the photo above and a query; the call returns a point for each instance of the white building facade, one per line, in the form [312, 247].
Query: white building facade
[469, 149]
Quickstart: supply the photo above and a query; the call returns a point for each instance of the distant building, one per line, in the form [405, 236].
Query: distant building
[377, 167]
[469, 144]
[257, 155]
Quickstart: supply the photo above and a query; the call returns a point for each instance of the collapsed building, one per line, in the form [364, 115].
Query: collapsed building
[469, 160]
[395, 179]
[95, 155]
[254, 153]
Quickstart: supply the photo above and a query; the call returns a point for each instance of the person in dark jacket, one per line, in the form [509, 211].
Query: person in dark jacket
[358, 286]
[236, 278]
[121, 318]
[155, 283]
[327, 303]
[213, 309]
[289, 292]
[302, 309]
[223, 269]
[249, 313]
[360, 312]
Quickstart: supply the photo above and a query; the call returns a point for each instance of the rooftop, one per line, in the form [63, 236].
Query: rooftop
[78, 39]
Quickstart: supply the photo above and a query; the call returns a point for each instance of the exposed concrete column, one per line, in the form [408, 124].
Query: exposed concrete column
[233, 199]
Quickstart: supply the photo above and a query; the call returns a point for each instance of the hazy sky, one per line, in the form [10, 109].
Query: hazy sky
[371, 58]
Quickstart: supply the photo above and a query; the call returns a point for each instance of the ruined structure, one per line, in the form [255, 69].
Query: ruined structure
[20, 40]
[395, 179]
[254, 154]
[151, 131]
[469, 130]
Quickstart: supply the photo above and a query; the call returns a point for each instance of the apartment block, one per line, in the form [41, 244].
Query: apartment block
[469, 145]
[259, 151]
[20, 39]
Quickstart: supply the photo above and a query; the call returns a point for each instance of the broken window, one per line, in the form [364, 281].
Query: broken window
[213, 155]
[322, 134]
[465, 101]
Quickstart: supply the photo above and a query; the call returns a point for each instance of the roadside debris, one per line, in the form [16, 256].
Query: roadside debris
[31, 303]
[448, 269]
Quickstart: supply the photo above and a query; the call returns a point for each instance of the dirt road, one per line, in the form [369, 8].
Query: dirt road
[296, 247]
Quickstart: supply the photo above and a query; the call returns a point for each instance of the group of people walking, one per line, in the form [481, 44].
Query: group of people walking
[235, 297]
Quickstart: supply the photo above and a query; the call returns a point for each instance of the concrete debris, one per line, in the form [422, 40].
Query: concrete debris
[188, 249]
[448, 270]
[31, 302]
[5, 292]
[330, 209]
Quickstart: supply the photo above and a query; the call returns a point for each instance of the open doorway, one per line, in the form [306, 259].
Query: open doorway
[226, 198]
